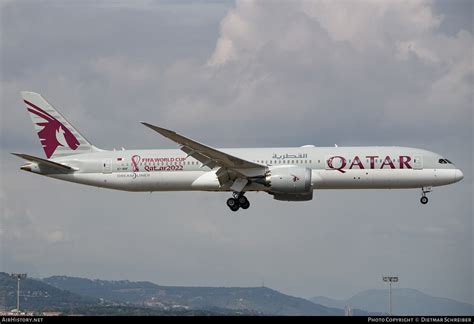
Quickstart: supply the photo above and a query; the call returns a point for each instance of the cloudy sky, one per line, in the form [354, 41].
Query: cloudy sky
[244, 74]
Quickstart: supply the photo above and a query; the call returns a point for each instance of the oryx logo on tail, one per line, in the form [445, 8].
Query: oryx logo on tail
[54, 133]
[57, 136]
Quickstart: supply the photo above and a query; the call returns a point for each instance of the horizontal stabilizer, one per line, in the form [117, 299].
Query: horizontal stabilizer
[48, 163]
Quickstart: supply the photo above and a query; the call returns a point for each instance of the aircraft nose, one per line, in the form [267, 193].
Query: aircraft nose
[458, 176]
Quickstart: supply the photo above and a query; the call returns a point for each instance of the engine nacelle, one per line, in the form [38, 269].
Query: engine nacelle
[289, 180]
[293, 197]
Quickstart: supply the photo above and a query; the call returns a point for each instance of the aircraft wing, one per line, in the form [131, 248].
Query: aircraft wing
[212, 157]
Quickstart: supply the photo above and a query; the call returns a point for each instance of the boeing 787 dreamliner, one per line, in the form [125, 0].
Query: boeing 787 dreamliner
[287, 173]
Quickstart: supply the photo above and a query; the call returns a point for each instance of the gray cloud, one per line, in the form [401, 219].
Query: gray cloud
[250, 74]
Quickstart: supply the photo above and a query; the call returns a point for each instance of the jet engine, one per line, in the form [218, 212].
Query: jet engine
[290, 183]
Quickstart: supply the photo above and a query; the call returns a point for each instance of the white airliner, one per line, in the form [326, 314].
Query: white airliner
[287, 173]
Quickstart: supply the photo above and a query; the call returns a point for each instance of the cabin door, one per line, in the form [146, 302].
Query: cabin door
[417, 162]
[107, 166]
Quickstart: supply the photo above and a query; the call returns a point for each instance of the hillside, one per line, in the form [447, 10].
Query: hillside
[38, 295]
[405, 302]
[261, 300]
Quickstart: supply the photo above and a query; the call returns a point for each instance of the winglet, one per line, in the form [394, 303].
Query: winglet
[160, 130]
[168, 134]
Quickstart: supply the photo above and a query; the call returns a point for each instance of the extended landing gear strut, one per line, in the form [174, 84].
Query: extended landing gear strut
[237, 201]
[424, 191]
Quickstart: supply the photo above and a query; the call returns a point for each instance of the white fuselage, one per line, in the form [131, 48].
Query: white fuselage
[331, 168]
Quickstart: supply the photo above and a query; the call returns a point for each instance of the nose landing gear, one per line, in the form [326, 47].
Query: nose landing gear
[237, 201]
[424, 191]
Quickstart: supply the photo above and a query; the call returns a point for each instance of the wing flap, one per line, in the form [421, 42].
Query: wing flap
[200, 157]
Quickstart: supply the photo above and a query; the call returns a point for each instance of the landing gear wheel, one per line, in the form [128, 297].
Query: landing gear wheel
[232, 203]
[424, 191]
[237, 201]
[243, 201]
[246, 205]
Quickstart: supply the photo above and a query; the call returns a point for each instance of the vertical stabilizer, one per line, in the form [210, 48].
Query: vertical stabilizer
[57, 136]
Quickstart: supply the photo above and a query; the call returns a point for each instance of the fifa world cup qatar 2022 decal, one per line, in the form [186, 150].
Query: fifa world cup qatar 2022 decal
[157, 163]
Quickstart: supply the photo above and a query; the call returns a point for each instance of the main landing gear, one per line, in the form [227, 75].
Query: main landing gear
[237, 201]
[424, 191]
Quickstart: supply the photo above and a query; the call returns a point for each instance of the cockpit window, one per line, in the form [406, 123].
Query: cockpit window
[444, 161]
